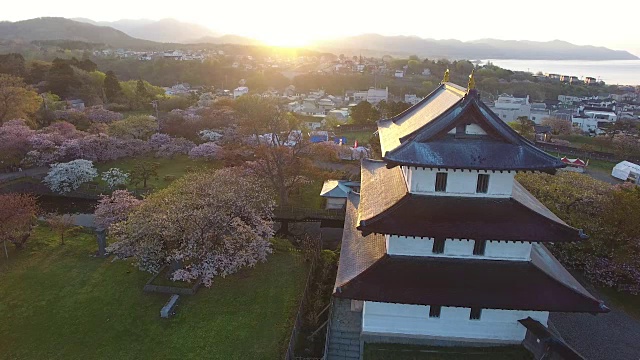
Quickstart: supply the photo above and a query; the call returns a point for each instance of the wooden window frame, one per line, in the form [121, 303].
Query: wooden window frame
[482, 185]
[438, 246]
[475, 313]
[439, 185]
[434, 311]
[479, 247]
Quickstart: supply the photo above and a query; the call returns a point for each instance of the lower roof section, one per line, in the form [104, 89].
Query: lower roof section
[367, 272]
[388, 208]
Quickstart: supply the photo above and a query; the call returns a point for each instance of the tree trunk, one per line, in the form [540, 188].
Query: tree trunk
[62, 237]
[101, 237]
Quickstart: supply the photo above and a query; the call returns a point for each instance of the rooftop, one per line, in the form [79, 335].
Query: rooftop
[367, 272]
[426, 135]
[388, 208]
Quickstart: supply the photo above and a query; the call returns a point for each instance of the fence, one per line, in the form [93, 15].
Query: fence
[298, 213]
[297, 326]
[572, 151]
[356, 127]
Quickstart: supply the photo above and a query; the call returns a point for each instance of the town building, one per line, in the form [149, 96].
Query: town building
[239, 91]
[336, 192]
[373, 96]
[509, 108]
[442, 246]
[412, 99]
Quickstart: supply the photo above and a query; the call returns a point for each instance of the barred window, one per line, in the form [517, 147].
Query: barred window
[475, 314]
[441, 181]
[483, 183]
[479, 247]
[434, 311]
[438, 246]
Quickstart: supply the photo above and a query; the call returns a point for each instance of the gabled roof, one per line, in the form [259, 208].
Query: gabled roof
[337, 188]
[420, 136]
[366, 272]
[388, 208]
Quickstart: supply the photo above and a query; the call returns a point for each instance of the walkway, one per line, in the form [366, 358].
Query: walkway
[612, 336]
[34, 172]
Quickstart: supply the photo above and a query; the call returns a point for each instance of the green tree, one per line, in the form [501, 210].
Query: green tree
[364, 113]
[523, 126]
[112, 89]
[134, 127]
[16, 100]
[142, 94]
[144, 171]
[13, 64]
[61, 78]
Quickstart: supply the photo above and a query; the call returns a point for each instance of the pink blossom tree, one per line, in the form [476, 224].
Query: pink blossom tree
[211, 224]
[114, 208]
[209, 150]
[101, 115]
[14, 142]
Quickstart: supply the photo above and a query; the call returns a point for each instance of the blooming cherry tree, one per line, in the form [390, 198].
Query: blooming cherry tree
[207, 150]
[114, 177]
[212, 224]
[65, 177]
[114, 208]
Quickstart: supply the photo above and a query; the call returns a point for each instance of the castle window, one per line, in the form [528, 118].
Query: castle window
[475, 313]
[441, 182]
[438, 246]
[434, 311]
[479, 246]
[483, 184]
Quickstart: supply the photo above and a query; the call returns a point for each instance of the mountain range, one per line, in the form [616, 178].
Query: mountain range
[147, 34]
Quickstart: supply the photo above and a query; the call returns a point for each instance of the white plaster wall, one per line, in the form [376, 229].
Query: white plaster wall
[459, 183]
[335, 203]
[454, 322]
[475, 129]
[458, 248]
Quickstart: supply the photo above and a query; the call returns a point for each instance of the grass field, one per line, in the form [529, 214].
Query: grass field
[58, 302]
[362, 136]
[175, 167]
[409, 352]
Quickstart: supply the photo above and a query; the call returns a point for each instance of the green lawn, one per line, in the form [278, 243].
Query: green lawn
[308, 196]
[410, 352]
[623, 301]
[58, 302]
[362, 136]
[601, 165]
[175, 167]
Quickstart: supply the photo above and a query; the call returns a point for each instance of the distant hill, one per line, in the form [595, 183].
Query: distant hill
[50, 28]
[165, 30]
[226, 39]
[374, 44]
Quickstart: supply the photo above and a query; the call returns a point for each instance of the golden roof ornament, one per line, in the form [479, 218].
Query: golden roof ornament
[446, 76]
[472, 82]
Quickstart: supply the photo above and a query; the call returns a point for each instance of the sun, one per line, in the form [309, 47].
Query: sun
[287, 39]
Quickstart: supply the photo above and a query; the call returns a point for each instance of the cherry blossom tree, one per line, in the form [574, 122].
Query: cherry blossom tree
[115, 177]
[175, 146]
[65, 177]
[14, 142]
[114, 208]
[209, 150]
[17, 217]
[101, 115]
[210, 224]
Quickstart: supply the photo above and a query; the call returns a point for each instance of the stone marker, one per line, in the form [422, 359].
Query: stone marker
[101, 237]
[167, 309]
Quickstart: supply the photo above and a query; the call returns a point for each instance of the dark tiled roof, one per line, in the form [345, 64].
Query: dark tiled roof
[357, 252]
[366, 273]
[381, 188]
[419, 136]
[388, 208]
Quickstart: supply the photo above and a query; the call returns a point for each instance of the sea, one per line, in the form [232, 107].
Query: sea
[612, 72]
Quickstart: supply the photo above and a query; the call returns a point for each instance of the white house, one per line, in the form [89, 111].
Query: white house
[374, 95]
[399, 74]
[412, 99]
[239, 91]
[509, 108]
[336, 191]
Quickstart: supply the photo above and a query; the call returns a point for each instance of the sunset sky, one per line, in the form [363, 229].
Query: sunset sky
[289, 22]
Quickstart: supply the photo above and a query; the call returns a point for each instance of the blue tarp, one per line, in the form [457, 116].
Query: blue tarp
[319, 138]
